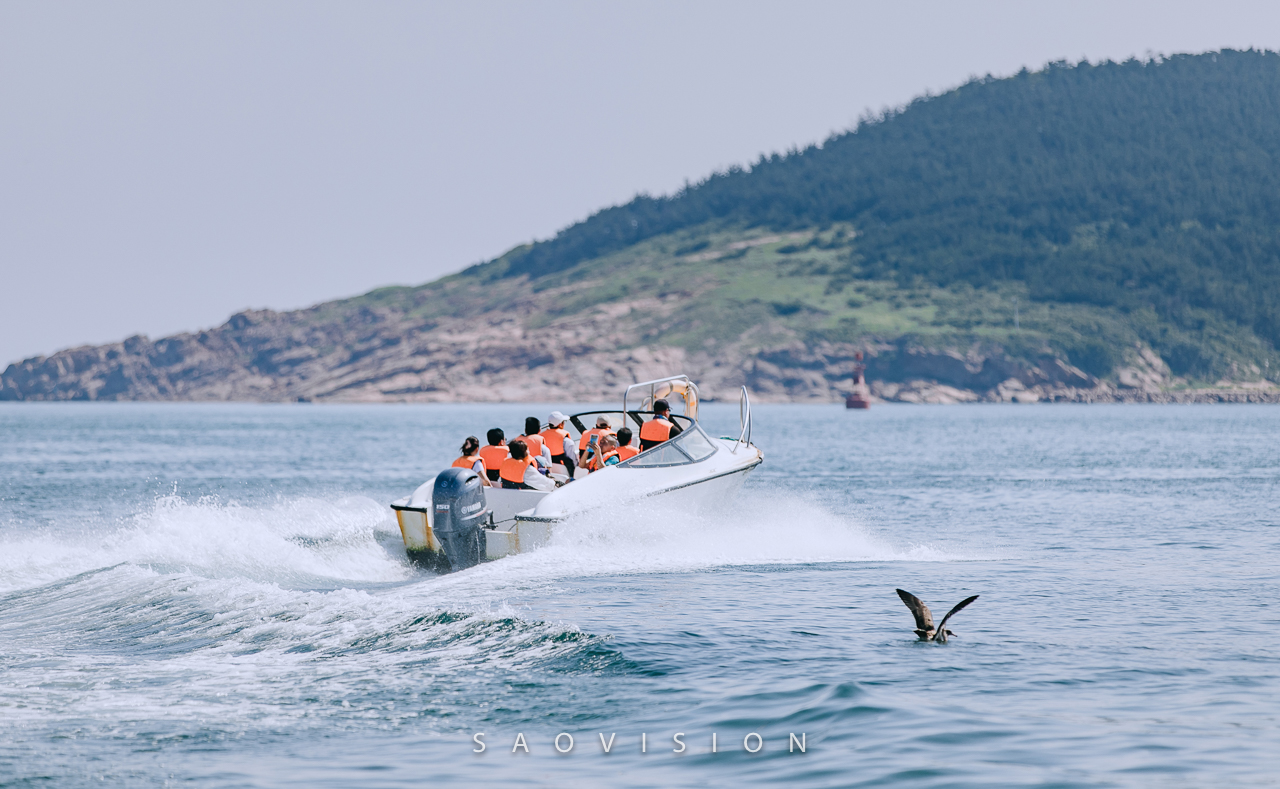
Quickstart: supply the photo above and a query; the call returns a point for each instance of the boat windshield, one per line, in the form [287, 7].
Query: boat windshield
[691, 446]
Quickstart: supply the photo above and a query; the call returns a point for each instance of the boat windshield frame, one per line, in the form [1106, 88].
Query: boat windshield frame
[687, 427]
[582, 426]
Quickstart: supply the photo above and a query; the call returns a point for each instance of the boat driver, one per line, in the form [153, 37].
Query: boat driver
[658, 429]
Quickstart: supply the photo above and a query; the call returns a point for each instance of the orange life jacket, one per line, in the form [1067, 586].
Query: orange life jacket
[586, 437]
[656, 429]
[469, 462]
[555, 438]
[596, 461]
[534, 443]
[493, 455]
[627, 452]
[512, 470]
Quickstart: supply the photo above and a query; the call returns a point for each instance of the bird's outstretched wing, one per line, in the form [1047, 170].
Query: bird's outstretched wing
[924, 619]
[953, 611]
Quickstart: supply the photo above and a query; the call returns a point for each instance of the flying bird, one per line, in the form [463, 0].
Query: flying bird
[924, 619]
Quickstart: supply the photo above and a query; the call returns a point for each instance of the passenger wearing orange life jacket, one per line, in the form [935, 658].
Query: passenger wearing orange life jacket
[607, 456]
[537, 447]
[599, 431]
[513, 468]
[556, 439]
[625, 450]
[609, 451]
[658, 429]
[471, 459]
[602, 427]
[495, 453]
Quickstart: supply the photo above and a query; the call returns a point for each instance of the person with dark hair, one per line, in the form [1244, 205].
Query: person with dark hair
[471, 459]
[513, 468]
[658, 429]
[625, 450]
[532, 437]
[557, 440]
[495, 453]
[520, 472]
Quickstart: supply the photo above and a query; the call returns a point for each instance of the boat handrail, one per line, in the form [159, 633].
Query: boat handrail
[744, 419]
[653, 386]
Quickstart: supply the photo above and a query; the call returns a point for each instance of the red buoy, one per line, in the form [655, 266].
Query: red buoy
[860, 397]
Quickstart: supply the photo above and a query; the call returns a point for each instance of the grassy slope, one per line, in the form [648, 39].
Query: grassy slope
[721, 287]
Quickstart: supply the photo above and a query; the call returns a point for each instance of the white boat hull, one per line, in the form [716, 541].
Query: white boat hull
[691, 470]
[528, 531]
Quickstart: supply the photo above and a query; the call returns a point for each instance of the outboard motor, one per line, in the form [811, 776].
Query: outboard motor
[458, 516]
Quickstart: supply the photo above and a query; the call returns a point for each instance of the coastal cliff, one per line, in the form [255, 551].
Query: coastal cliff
[738, 311]
[264, 356]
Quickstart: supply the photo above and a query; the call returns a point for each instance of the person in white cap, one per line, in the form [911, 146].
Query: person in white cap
[556, 438]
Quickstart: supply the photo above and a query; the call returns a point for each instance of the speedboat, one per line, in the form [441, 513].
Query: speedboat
[452, 521]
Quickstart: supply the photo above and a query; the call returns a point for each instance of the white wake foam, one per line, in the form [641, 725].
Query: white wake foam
[293, 542]
[308, 542]
[757, 528]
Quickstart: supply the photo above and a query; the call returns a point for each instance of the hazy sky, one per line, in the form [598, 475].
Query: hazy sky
[163, 165]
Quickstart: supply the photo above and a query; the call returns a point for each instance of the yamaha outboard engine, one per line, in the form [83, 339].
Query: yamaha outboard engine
[458, 518]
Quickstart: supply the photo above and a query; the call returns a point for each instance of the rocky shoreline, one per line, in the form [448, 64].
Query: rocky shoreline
[372, 355]
[933, 393]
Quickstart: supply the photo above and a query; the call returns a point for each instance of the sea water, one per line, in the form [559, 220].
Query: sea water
[217, 595]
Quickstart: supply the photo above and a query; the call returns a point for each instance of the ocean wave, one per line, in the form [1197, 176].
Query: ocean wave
[217, 657]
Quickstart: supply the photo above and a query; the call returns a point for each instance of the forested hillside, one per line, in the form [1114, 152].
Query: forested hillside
[1146, 186]
[1090, 232]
